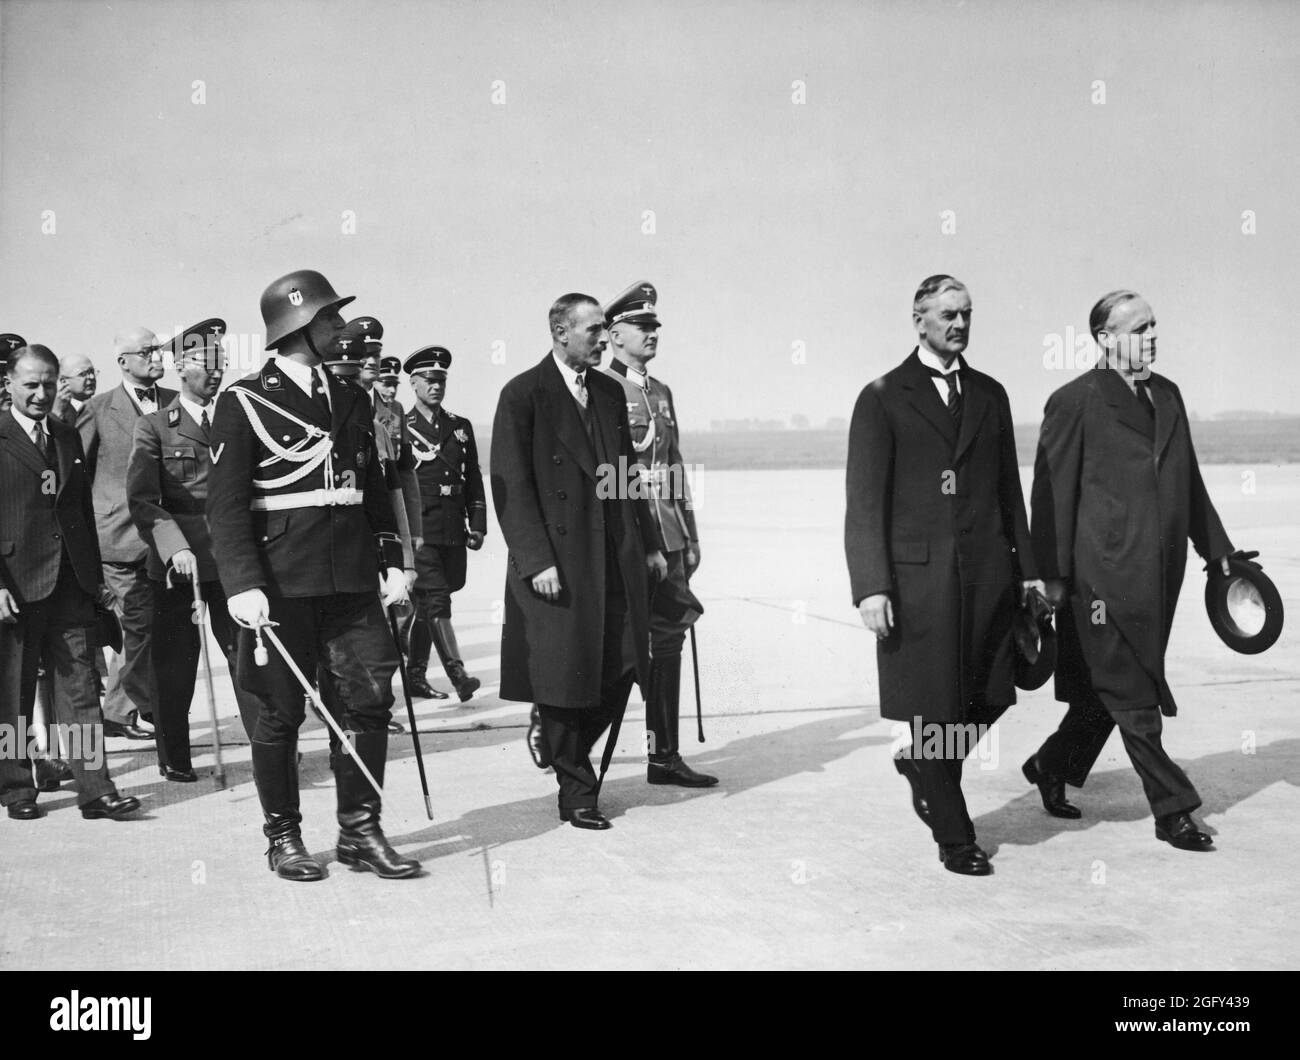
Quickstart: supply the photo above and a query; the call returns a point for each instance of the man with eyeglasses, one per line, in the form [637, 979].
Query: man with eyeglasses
[107, 426]
[78, 380]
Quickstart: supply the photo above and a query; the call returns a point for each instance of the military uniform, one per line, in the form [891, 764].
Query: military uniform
[166, 492]
[661, 476]
[299, 509]
[454, 506]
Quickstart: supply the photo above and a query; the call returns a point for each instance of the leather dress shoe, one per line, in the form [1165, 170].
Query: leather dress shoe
[586, 817]
[1179, 830]
[111, 805]
[906, 769]
[965, 859]
[536, 746]
[1052, 791]
[418, 685]
[25, 810]
[181, 776]
[49, 773]
[129, 731]
[675, 771]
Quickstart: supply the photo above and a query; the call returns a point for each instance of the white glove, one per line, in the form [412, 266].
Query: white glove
[392, 589]
[249, 608]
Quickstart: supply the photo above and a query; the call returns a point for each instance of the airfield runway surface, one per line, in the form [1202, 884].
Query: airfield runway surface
[807, 854]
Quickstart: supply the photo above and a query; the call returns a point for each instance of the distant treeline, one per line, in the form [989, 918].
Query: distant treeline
[1274, 440]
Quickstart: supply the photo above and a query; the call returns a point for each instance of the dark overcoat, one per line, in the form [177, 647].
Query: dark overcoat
[544, 473]
[936, 518]
[1115, 497]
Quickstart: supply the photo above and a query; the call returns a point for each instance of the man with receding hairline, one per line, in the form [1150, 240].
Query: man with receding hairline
[1117, 493]
[50, 585]
[78, 379]
[938, 554]
[579, 564]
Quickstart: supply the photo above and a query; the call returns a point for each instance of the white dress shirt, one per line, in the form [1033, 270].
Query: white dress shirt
[301, 374]
[930, 359]
[196, 410]
[571, 381]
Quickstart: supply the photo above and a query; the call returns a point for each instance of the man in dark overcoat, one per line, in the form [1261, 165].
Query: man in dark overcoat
[1117, 493]
[938, 554]
[581, 548]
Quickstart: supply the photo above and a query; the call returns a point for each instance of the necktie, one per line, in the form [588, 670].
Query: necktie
[954, 398]
[581, 392]
[318, 394]
[43, 444]
[1143, 388]
[148, 398]
[205, 423]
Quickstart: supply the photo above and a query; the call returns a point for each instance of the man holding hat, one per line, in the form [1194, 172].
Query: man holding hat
[454, 517]
[107, 427]
[633, 325]
[304, 536]
[166, 492]
[1117, 493]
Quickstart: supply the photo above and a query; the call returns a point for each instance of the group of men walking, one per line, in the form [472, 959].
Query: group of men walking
[302, 506]
[941, 556]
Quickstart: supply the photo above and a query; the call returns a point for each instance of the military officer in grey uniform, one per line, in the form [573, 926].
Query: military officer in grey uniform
[304, 535]
[454, 517]
[633, 326]
[166, 493]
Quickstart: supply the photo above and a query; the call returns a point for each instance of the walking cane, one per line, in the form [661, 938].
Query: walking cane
[695, 666]
[410, 712]
[219, 770]
[260, 658]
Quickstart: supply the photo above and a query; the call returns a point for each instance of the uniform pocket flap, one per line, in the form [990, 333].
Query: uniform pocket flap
[173, 452]
[911, 552]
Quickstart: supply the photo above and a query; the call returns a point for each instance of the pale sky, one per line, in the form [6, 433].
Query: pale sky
[779, 227]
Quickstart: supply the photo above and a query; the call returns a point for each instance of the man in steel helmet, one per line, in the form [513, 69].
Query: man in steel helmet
[304, 535]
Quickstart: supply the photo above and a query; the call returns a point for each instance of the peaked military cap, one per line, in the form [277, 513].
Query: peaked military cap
[635, 305]
[390, 367]
[205, 337]
[368, 330]
[10, 342]
[428, 359]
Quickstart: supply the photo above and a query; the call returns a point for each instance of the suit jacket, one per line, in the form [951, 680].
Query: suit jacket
[545, 471]
[108, 436]
[37, 524]
[1116, 496]
[167, 489]
[445, 518]
[936, 518]
[309, 550]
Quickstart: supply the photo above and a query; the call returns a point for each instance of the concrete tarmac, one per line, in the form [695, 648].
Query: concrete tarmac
[807, 855]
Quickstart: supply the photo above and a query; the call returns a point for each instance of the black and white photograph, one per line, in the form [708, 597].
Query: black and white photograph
[767, 485]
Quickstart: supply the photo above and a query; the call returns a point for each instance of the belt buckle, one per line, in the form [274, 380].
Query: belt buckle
[444, 490]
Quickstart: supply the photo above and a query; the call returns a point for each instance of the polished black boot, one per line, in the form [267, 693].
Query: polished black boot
[361, 842]
[417, 661]
[444, 639]
[275, 770]
[661, 713]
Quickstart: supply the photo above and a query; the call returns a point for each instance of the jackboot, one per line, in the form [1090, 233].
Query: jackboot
[362, 843]
[417, 661]
[275, 771]
[661, 719]
[444, 639]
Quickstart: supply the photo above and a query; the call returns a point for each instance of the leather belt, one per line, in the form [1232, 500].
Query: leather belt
[323, 498]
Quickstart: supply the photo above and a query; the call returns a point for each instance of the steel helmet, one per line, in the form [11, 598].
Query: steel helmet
[292, 302]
